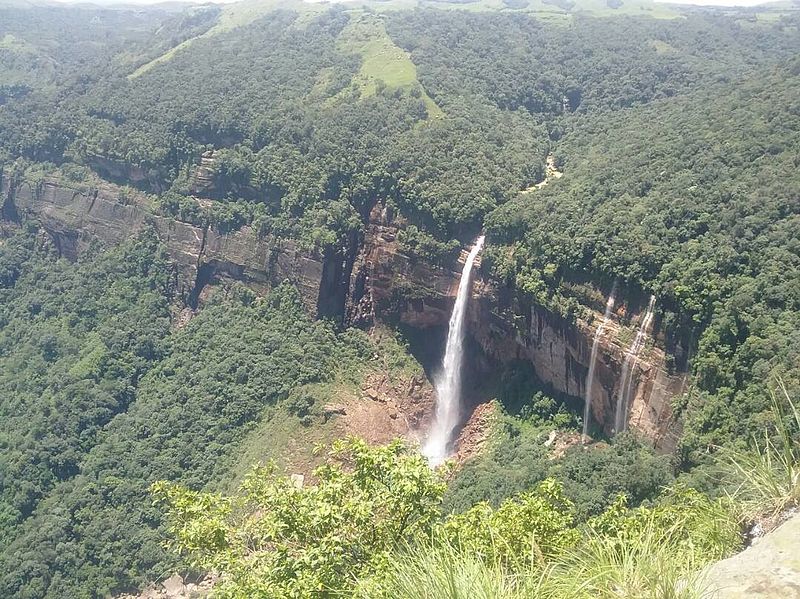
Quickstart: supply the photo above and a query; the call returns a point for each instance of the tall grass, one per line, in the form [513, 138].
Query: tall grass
[650, 565]
[439, 570]
[766, 478]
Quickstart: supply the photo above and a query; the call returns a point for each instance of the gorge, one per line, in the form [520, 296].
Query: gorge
[256, 256]
[375, 281]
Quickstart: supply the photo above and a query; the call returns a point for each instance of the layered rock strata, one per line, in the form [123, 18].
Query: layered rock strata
[371, 279]
[74, 217]
[509, 327]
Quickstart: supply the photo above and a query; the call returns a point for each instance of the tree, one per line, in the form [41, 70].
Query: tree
[280, 538]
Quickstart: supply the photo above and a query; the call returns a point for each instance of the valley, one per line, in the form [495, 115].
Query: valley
[319, 299]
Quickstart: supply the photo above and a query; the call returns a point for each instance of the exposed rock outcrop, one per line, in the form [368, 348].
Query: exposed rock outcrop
[370, 279]
[202, 182]
[388, 281]
[769, 569]
[175, 587]
[74, 216]
[118, 170]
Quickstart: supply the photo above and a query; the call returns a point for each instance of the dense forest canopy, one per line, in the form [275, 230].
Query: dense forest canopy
[697, 201]
[83, 343]
[283, 94]
[677, 139]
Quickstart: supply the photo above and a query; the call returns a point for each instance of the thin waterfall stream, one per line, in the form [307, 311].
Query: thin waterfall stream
[448, 381]
[587, 410]
[628, 368]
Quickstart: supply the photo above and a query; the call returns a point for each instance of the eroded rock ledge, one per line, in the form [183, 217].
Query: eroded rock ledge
[74, 217]
[508, 327]
[372, 281]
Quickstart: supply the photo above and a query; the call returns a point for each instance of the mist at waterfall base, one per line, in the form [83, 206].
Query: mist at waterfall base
[448, 381]
[587, 409]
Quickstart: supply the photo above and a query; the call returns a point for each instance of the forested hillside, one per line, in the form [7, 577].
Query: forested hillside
[283, 94]
[85, 343]
[697, 201]
[676, 141]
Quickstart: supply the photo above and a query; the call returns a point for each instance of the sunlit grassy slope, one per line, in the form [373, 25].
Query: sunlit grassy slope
[292, 440]
[381, 53]
[17, 51]
[236, 15]
[382, 61]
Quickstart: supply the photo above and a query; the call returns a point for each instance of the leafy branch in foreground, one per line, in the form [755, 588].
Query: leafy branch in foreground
[524, 531]
[282, 539]
[370, 526]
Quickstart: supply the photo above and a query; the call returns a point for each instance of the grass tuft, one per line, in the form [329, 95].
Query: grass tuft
[438, 570]
[649, 566]
[767, 476]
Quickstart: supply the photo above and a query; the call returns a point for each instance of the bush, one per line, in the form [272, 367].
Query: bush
[524, 531]
[280, 539]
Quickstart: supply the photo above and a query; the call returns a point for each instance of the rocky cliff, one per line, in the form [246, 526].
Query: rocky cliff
[508, 327]
[371, 280]
[74, 216]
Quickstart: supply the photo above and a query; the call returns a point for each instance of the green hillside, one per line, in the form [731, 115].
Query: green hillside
[313, 130]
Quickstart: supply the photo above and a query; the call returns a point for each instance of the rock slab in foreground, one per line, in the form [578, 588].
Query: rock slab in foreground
[768, 570]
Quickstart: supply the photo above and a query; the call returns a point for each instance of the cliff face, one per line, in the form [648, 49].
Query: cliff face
[388, 283]
[509, 327]
[372, 279]
[73, 217]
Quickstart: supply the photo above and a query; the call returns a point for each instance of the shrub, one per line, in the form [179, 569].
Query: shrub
[280, 539]
[525, 530]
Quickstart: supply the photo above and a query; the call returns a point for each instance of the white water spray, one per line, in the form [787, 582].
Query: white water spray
[587, 400]
[448, 382]
[628, 368]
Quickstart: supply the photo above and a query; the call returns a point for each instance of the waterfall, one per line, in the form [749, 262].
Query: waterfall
[448, 381]
[628, 367]
[587, 410]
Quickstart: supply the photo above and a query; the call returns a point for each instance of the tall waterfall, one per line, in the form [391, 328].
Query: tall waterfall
[587, 410]
[448, 381]
[628, 367]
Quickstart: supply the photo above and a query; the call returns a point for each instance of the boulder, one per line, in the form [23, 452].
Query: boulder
[768, 570]
[174, 586]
